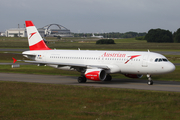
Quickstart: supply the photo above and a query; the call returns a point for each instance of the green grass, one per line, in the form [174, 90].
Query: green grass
[34, 69]
[47, 101]
[129, 40]
[83, 43]
[136, 46]
[173, 58]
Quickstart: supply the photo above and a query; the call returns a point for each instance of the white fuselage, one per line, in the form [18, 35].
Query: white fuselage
[95, 65]
[125, 62]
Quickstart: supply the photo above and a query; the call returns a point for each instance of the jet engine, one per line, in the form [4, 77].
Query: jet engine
[133, 75]
[95, 74]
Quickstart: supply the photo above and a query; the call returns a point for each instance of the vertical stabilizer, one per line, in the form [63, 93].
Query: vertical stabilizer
[34, 38]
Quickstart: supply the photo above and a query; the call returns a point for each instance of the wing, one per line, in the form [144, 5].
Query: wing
[69, 64]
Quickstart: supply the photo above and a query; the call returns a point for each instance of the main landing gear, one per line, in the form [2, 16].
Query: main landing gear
[150, 82]
[108, 78]
[82, 79]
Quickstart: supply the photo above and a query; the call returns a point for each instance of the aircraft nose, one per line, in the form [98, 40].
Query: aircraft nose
[171, 67]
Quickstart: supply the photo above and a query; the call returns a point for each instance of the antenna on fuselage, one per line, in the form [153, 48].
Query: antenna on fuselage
[148, 50]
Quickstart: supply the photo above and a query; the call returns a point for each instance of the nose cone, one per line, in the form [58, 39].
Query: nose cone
[173, 67]
[170, 67]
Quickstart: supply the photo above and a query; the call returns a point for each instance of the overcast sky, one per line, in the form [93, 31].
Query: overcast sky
[93, 16]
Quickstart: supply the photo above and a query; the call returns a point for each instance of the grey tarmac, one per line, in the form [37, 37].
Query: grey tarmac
[139, 84]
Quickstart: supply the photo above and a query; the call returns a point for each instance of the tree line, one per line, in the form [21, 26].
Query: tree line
[112, 34]
[159, 35]
[153, 35]
[162, 36]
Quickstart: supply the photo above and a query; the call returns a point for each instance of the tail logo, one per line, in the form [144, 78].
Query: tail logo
[32, 34]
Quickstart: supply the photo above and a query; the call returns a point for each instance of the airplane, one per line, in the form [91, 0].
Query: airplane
[96, 65]
[96, 36]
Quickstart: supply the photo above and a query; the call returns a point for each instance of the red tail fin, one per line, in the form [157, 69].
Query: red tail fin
[34, 38]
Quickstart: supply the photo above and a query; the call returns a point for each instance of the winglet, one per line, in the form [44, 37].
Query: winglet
[14, 60]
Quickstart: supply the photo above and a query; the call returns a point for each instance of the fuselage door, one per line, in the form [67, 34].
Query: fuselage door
[145, 61]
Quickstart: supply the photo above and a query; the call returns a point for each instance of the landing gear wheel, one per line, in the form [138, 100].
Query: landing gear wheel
[82, 79]
[108, 78]
[150, 82]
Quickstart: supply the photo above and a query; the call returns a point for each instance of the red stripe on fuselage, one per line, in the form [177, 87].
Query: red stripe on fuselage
[29, 23]
[39, 46]
[131, 57]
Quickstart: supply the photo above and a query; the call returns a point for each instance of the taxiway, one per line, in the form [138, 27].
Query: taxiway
[115, 83]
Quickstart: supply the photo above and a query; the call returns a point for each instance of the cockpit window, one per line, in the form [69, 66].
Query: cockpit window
[156, 59]
[161, 60]
[165, 60]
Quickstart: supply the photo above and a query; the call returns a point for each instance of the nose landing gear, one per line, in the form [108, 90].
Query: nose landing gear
[150, 82]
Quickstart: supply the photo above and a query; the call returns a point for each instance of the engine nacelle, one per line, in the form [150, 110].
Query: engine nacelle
[95, 74]
[133, 75]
